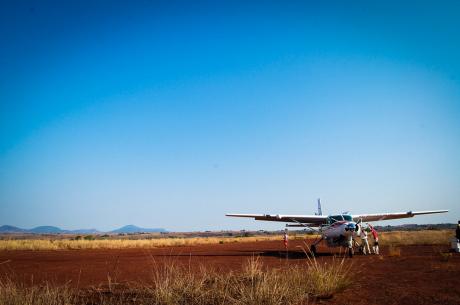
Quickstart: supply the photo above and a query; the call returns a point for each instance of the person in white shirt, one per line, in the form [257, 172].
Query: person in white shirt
[364, 241]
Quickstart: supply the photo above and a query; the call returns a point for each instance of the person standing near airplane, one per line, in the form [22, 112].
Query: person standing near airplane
[364, 241]
[455, 244]
[286, 242]
[457, 232]
[375, 247]
[286, 239]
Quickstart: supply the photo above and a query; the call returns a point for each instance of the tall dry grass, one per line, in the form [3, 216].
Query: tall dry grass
[326, 279]
[69, 244]
[425, 237]
[15, 294]
[176, 285]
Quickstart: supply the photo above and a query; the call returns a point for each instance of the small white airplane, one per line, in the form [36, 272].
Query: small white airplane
[337, 230]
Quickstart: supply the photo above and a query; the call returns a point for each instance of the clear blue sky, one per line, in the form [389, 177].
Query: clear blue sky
[171, 114]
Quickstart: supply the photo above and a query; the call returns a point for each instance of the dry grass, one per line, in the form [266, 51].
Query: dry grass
[426, 237]
[174, 285]
[69, 244]
[326, 279]
[15, 294]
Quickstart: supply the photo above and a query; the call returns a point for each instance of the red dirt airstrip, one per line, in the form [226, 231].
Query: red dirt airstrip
[420, 275]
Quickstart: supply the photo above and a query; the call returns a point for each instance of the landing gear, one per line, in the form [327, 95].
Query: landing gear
[313, 246]
[350, 247]
[350, 252]
[313, 250]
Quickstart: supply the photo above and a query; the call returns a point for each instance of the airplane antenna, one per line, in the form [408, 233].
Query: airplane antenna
[319, 207]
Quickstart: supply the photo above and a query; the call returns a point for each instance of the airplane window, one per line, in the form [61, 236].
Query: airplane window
[335, 218]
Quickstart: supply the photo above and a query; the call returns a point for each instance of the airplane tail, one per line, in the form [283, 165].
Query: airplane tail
[319, 208]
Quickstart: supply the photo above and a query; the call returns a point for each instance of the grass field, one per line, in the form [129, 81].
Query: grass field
[427, 237]
[70, 244]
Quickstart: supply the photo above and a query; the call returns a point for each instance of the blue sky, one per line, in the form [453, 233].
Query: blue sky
[171, 114]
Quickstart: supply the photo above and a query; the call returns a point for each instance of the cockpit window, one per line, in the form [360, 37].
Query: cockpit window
[334, 218]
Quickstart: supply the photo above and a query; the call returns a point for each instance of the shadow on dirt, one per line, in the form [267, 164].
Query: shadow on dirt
[268, 253]
[291, 254]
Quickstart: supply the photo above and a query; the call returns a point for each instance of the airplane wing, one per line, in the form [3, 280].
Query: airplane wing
[387, 216]
[300, 219]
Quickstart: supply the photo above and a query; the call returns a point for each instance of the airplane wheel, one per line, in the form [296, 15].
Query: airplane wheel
[350, 252]
[313, 250]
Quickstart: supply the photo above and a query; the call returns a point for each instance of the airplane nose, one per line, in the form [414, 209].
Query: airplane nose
[350, 227]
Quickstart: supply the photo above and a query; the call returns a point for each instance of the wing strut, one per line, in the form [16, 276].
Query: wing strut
[299, 224]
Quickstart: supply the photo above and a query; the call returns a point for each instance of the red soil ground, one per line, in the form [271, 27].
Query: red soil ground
[420, 275]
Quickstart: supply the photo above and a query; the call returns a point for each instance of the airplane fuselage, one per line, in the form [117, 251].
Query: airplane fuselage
[340, 233]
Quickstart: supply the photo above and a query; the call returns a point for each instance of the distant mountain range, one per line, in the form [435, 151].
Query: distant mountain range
[6, 229]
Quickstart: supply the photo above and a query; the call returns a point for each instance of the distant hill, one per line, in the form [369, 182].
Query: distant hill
[135, 229]
[7, 229]
[46, 230]
[11, 229]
